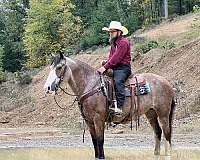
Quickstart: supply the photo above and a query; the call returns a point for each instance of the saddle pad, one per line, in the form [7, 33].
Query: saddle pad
[141, 90]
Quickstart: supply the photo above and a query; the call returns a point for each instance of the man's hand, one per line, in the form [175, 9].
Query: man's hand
[101, 70]
[103, 62]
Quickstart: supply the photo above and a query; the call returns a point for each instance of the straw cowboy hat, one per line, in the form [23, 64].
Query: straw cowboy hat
[116, 25]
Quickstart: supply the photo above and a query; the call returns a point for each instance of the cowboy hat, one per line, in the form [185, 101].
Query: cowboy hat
[116, 25]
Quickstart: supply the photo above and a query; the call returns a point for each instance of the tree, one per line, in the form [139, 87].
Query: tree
[1, 57]
[50, 27]
[2, 74]
[97, 14]
[11, 24]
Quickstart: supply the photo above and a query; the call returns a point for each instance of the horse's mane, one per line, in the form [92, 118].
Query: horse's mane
[86, 67]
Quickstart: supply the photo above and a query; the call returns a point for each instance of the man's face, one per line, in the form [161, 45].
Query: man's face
[114, 33]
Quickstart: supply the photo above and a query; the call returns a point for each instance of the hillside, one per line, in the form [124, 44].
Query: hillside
[181, 66]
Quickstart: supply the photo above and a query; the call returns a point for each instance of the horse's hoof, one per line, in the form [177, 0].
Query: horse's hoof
[156, 153]
[168, 149]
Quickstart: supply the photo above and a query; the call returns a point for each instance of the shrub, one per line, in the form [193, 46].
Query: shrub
[24, 79]
[146, 47]
[196, 8]
[167, 44]
[2, 76]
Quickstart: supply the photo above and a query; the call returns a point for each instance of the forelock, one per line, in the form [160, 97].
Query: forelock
[56, 60]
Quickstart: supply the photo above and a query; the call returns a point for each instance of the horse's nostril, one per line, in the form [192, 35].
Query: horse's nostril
[48, 88]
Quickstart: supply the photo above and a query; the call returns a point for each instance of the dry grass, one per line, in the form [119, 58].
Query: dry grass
[87, 154]
[181, 25]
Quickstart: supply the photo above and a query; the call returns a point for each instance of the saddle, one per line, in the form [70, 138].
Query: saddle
[137, 82]
[134, 80]
[135, 86]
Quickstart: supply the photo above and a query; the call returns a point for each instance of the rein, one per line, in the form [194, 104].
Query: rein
[80, 100]
[89, 93]
[64, 108]
[67, 106]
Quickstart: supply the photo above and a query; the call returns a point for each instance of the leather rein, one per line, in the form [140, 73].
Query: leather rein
[79, 98]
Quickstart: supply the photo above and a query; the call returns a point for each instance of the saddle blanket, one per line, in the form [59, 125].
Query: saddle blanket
[141, 89]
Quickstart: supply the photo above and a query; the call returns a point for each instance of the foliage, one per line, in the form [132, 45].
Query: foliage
[11, 32]
[167, 44]
[182, 6]
[50, 27]
[31, 30]
[2, 74]
[101, 13]
[196, 9]
[145, 47]
[1, 57]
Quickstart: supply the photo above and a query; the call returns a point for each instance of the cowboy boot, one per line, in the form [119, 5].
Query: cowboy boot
[118, 110]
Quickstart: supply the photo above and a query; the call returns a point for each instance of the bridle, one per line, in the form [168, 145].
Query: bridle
[79, 98]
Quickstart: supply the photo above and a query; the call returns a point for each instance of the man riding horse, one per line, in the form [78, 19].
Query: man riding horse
[119, 60]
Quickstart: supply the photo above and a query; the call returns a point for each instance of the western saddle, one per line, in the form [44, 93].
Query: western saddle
[132, 86]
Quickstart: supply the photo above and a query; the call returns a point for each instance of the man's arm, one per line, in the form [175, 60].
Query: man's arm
[117, 56]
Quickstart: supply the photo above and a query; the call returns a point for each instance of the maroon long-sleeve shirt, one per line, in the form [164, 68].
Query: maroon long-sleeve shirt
[120, 53]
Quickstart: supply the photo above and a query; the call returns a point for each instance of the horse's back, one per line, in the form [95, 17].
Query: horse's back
[159, 85]
[156, 82]
[151, 77]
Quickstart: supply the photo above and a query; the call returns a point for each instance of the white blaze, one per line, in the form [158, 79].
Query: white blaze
[51, 78]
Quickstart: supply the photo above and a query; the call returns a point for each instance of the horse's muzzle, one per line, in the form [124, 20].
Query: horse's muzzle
[51, 89]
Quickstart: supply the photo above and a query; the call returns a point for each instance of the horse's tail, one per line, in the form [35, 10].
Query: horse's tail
[173, 104]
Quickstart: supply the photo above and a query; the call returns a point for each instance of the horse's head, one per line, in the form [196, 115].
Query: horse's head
[58, 69]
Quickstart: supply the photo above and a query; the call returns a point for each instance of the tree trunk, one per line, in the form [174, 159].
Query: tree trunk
[166, 8]
[180, 7]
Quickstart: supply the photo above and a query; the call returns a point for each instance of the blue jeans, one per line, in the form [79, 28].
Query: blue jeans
[120, 74]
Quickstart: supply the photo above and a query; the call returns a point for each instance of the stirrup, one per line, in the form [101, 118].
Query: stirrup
[118, 110]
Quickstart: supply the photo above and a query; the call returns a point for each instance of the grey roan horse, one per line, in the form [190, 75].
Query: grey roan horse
[158, 105]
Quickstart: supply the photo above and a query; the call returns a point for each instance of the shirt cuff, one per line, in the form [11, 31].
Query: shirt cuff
[107, 66]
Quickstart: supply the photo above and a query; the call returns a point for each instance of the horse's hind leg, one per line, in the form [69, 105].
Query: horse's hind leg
[164, 120]
[152, 117]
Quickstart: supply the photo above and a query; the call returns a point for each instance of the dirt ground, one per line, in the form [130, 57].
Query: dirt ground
[60, 137]
[177, 26]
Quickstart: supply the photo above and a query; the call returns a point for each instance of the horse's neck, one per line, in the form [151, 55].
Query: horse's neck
[82, 79]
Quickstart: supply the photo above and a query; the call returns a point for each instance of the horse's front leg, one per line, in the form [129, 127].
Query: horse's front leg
[94, 139]
[99, 129]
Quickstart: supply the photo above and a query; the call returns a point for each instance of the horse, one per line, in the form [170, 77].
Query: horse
[158, 105]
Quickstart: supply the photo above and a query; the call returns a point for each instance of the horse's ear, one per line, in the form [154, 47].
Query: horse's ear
[61, 55]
